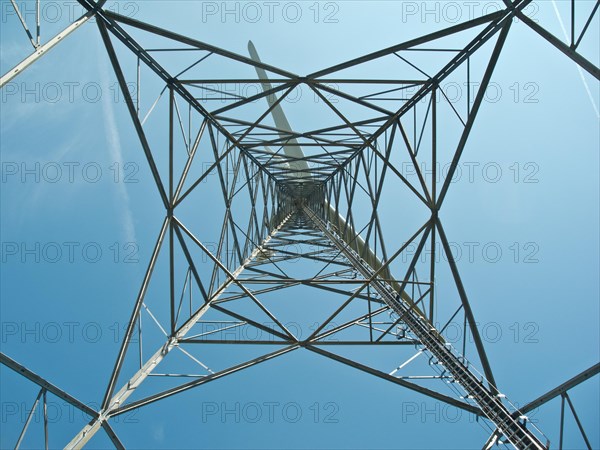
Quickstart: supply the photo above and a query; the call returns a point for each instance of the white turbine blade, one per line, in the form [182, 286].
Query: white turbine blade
[292, 149]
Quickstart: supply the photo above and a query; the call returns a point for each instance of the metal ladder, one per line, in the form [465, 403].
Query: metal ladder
[489, 402]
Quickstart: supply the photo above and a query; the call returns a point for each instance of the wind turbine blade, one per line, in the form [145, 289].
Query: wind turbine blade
[292, 149]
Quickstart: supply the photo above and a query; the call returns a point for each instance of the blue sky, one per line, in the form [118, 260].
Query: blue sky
[532, 193]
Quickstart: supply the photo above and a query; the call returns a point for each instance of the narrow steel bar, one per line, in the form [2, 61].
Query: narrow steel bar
[132, 112]
[138, 87]
[581, 430]
[587, 24]
[475, 109]
[562, 422]
[134, 314]
[45, 411]
[112, 436]
[198, 44]
[29, 417]
[306, 81]
[414, 387]
[564, 387]
[350, 323]
[433, 201]
[192, 267]
[572, 23]
[24, 24]
[564, 48]
[284, 338]
[487, 368]
[192, 384]
[37, 22]
[170, 214]
[31, 376]
[409, 44]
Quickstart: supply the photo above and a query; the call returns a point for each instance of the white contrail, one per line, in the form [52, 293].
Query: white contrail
[116, 154]
[585, 83]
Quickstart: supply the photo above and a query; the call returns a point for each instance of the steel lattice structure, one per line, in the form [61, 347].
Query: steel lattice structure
[290, 194]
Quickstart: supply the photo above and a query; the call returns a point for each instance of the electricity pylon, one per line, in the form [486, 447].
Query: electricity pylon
[288, 194]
